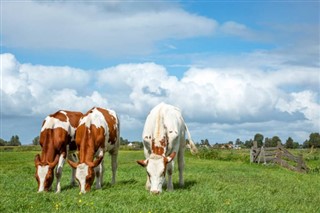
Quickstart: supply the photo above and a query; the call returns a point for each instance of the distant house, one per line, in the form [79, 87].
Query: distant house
[236, 146]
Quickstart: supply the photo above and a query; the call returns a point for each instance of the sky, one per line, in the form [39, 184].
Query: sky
[234, 68]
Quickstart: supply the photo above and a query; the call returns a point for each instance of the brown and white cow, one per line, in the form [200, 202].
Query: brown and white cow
[56, 138]
[98, 131]
[163, 139]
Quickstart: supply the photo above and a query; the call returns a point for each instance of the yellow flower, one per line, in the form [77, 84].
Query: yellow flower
[227, 202]
[80, 201]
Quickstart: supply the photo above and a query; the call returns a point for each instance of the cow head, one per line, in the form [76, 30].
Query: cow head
[85, 173]
[44, 173]
[156, 167]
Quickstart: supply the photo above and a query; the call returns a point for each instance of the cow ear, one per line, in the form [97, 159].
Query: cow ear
[37, 160]
[72, 164]
[143, 163]
[171, 157]
[54, 163]
[96, 162]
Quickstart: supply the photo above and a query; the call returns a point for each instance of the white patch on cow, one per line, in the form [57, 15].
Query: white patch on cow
[156, 172]
[42, 173]
[53, 123]
[99, 152]
[95, 118]
[81, 174]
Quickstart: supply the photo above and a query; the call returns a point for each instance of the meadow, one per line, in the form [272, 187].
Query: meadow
[223, 182]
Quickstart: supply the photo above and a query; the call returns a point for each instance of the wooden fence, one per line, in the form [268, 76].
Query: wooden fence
[278, 155]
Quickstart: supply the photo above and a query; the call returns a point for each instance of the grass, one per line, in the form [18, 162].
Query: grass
[230, 184]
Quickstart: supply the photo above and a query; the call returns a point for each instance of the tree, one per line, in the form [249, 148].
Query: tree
[205, 142]
[36, 141]
[238, 142]
[296, 145]
[314, 140]
[306, 144]
[248, 143]
[289, 143]
[275, 140]
[14, 141]
[3, 142]
[123, 141]
[259, 138]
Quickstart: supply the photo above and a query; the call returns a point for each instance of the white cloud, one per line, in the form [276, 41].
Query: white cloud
[215, 101]
[39, 90]
[115, 28]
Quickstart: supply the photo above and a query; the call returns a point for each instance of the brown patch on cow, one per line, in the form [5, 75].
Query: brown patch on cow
[74, 118]
[112, 125]
[158, 150]
[53, 142]
[60, 116]
[85, 143]
[164, 141]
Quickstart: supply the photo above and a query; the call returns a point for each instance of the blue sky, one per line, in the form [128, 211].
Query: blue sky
[235, 68]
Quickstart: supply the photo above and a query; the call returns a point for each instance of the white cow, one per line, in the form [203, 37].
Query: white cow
[163, 138]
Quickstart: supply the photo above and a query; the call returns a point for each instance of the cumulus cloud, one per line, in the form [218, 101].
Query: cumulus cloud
[98, 27]
[40, 90]
[213, 100]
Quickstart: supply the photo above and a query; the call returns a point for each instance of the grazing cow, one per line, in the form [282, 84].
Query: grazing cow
[163, 138]
[98, 131]
[56, 139]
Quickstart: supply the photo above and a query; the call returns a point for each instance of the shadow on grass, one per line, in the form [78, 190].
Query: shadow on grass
[122, 182]
[187, 185]
[69, 186]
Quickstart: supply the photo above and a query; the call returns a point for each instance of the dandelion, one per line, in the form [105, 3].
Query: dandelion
[227, 202]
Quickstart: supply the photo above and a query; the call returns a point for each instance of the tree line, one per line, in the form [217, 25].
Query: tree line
[14, 141]
[313, 141]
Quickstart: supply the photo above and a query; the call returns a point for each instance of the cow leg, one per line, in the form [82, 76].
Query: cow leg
[181, 166]
[114, 165]
[148, 186]
[99, 174]
[169, 172]
[59, 172]
[73, 175]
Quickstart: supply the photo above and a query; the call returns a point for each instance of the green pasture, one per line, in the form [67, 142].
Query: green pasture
[214, 182]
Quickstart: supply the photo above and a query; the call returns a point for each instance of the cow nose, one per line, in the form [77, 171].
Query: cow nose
[155, 192]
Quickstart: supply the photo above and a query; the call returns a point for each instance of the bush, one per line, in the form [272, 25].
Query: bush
[225, 155]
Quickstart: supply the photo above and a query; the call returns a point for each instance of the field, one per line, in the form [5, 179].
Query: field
[230, 184]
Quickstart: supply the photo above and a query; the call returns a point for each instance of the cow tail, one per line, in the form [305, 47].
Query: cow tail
[191, 145]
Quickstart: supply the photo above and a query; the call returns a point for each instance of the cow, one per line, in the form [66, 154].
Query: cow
[57, 141]
[164, 138]
[98, 132]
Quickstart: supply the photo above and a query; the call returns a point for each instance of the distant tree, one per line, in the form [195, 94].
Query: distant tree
[274, 141]
[296, 145]
[289, 143]
[259, 138]
[36, 141]
[14, 141]
[123, 141]
[248, 143]
[3, 142]
[306, 144]
[239, 142]
[205, 142]
[230, 142]
[314, 140]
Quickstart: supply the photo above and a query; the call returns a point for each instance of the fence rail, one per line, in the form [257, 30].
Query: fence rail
[278, 155]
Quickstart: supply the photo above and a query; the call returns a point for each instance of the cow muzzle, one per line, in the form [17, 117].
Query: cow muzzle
[155, 192]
